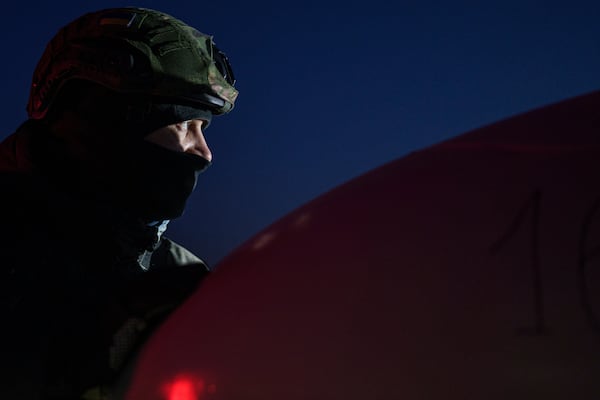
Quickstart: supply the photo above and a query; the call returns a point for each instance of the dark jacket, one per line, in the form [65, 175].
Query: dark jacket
[81, 286]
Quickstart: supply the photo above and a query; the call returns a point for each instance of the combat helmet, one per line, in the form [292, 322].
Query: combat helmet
[135, 51]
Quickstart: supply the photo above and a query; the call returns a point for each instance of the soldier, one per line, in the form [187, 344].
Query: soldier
[109, 154]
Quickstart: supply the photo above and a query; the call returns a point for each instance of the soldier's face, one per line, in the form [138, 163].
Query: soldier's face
[185, 137]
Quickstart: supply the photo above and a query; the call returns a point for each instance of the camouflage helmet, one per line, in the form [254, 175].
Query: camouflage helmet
[135, 51]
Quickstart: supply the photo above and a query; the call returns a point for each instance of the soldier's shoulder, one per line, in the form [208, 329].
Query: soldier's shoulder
[172, 254]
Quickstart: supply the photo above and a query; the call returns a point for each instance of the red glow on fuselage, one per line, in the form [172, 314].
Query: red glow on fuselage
[184, 387]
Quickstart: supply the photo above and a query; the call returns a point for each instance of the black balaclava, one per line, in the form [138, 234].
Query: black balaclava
[140, 178]
[156, 182]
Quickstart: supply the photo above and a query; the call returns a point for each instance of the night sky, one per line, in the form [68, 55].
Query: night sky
[328, 92]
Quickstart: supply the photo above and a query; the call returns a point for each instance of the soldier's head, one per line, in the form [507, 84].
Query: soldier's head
[129, 91]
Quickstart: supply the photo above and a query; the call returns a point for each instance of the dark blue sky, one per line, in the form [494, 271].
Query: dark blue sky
[329, 92]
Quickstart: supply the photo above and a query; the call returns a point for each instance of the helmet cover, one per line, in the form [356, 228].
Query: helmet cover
[135, 51]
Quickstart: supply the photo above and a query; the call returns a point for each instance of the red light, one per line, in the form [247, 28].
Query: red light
[184, 387]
